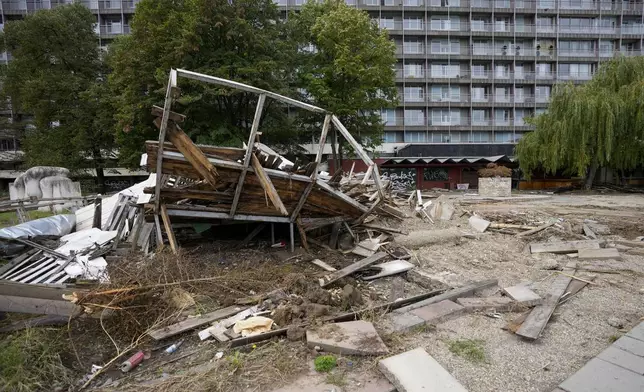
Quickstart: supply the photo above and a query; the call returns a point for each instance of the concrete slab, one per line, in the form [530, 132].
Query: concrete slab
[637, 332]
[631, 345]
[478, 224]
[439, 312]
[601, 376]
[404, 322]
[622, 358]
[417, 371]
[389, 268]
[351, 338]
[523, 295]
[500, 304]
[599, 254]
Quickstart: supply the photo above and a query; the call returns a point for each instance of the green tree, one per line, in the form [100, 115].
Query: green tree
[598, 124]
[242, 40]
[346, 65]
[57, 77]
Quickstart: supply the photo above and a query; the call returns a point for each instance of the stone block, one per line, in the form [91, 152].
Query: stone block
[622, 358]
[417, 371]
[523, 295]
[637, 332]
[495, 186]
[404, 322]
[601, 376]
[350, 338]
[478, 224]
[439, 312]
[499, 304]
[631, 345]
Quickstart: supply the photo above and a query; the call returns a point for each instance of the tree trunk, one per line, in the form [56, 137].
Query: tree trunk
[100, 179]
[590, 177]
[98, 166]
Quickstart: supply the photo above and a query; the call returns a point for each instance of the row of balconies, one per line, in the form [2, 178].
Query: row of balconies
[108, 6]
[444, 27]
[483, 76]
[112, 29]
[455, 122]
[487, 99]
[418, 48]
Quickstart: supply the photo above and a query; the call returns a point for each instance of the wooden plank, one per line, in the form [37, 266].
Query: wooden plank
[335, 233]
[536, 229]
[588, 232]
[204, 214]
[159, 234]
[192, 153]
[634, 244]
[393, 211]
[249, 152]
[563, 247]
[327, 280]
[176, 117]
[244, 87]
[451, 295]
[300, 230]
[168, 229]
[19, 260]
[17, 304]
[599, 254]
[323, 265]
[341, 196]
[195, 322]
[40, 247]
[538, 318]
[267, 185]
[42, 291]
[172, 79]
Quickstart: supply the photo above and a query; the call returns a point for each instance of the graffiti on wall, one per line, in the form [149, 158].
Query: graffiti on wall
[402, 178]
[435, 174]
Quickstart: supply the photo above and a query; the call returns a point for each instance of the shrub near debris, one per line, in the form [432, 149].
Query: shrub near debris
[494, 170]
[325, 363]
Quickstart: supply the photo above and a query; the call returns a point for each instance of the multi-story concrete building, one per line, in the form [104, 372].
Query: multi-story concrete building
[471, 71]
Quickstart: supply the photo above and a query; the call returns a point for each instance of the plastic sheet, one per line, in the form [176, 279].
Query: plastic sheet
[57, 225]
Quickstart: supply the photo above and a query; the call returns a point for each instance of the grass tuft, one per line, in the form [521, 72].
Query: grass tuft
[338, 379]
[470, 349]
[325, 363]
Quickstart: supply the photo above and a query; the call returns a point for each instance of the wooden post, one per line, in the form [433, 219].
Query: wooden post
[98, 212]
[292, 237]
[267, 185]
[272, 233]
[168, 229]
[318, 159]
[305, 244]
[159, 235]
[249, 152]
[172, 83]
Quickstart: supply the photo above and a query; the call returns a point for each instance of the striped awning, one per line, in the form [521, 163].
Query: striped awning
[427, 160]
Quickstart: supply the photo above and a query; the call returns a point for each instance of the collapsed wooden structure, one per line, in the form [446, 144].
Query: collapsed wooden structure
[244, 184]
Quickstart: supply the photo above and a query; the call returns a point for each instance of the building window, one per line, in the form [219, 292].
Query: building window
[446, 117]
[477, 25]
[414, 71]
[519, 115]
[445, 3]
[466, 137]
[393, 137]
[414, 117]
[387, 23]
[388, 116]
[445, 71]
[412, 47]
[444, 46]
[413, 24]
[445, 23]
[478, 71]
[478, 94]
[480, 137]
[435, 174]
[413, 3]
[478, 117]
[415, 137]
[502, 117]
[446, 93]
[414, 94]
[542, 93]
[502, 137]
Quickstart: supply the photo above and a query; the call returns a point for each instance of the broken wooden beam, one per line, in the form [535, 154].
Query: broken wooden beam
[536, 229]
[195, 322]
[358, 265]
[176, 117]
[564, 247]
[599, 254]
[267, 185]
[451, 295]
[168, 229]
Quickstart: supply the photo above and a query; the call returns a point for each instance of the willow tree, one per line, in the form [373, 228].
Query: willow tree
[598, 124]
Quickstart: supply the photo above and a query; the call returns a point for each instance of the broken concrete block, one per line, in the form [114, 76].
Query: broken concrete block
[351, 338]
[599, 254]
[439, 312]
[523, 295]
[404, 322]
[478, 224]
[417, 371]
[499, 304]
[442, 209]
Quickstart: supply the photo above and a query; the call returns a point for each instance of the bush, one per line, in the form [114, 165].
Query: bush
[494, 170]
[325, 363]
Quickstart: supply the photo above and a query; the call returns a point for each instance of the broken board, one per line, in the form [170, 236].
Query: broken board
[195, 322]
[523, 295]
[599, 254]
[358, 265]
[563, 247]
[538, 318]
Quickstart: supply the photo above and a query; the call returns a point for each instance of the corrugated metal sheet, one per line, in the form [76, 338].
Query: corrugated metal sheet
[444, 160]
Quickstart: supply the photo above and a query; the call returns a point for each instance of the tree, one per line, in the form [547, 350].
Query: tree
[242, 40]
[598, 124]
[57, 76]
[346, 65]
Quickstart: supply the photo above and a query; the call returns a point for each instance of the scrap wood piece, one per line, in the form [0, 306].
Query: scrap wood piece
[536, 229]
[196, 322]
[634, 244]
[176, 117]
[267, 185]
[599, 254]
[392, 211]
[366, 247]
[563, 247]
[389, 268]
[323, 265]
[510, 226]
[451, 295]
[523, 295]
[536, 321]
[327, 280]
[335, 232]
[383, 228]
[588, 232]
[168, 229]
[50, 319]
[300, 229]
[191, 152]
[218, 328]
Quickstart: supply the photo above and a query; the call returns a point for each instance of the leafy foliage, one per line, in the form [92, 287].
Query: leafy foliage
[240, 40]
[325, 363]
[596, 124]
[57, 76]
[346, 65]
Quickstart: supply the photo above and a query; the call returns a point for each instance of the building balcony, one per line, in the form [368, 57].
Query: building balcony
[113, 30]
